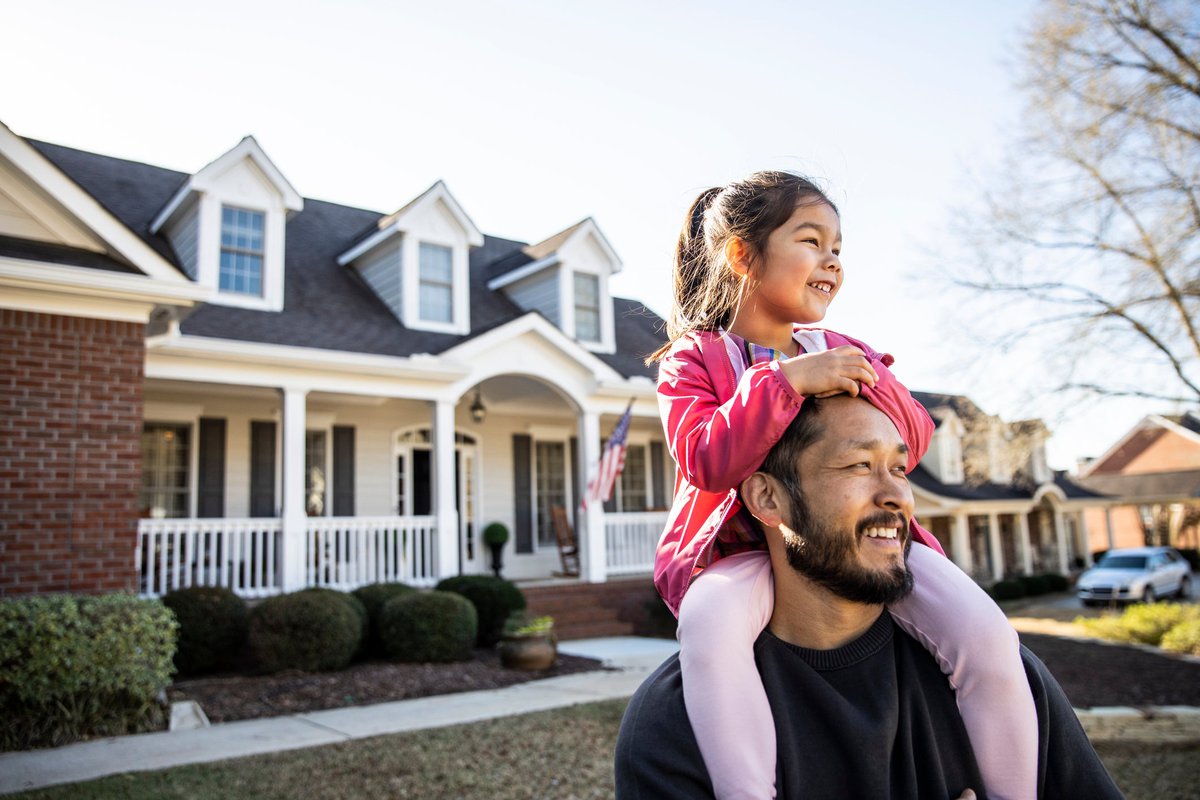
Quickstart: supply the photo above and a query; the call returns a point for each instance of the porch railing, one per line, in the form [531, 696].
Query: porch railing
[246, 555]
[630, 540]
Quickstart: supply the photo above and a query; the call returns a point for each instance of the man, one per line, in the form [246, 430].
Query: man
[861, 709]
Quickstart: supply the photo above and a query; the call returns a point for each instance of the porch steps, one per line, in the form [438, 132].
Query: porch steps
[587, 610]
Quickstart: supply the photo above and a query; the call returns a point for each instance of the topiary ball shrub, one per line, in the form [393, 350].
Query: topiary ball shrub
[212, 628]
[357, 606]
[1034, 585]
[428, 626]
[1008, 590]
[1056, 582]
[309, 631]
[373, 596]
[495, 599]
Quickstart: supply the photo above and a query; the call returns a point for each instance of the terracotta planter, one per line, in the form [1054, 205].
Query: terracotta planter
[534, 652]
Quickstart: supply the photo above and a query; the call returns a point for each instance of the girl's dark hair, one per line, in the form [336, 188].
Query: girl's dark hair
[707, 292]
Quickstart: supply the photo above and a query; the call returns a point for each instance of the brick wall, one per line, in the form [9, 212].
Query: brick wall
[70, 458]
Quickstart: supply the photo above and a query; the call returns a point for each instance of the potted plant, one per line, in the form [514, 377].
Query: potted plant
[495, 536]
[528, 643]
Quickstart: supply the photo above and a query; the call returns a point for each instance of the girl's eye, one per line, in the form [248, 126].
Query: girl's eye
[837, 251]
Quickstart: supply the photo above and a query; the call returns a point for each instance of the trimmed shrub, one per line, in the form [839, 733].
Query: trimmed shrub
[1034, 585]
[1056, 582]
[75, 667]
[310, 631]
[1008, 590]
[373, 597]
[428, 626]
[1183, 638]
[357, 606]
[212, 628]
[1144, 624]
[495, 599]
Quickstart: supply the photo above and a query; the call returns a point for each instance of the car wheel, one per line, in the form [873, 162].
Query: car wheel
[1149, 596]
[1185, 588]
[1091, 603]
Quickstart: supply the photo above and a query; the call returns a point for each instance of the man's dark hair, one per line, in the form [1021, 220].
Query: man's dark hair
[804, 431]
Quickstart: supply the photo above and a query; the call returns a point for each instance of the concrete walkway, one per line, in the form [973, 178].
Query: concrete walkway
[632, 658]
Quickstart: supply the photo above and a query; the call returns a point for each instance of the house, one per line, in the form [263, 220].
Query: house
[1152, 475]
[211, 379]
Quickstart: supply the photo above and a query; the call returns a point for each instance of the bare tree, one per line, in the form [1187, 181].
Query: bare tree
[1089, 238]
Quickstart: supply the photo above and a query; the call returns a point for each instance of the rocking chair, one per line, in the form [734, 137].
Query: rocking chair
[568, 547]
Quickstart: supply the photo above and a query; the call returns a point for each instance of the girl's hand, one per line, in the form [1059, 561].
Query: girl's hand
[829, 372]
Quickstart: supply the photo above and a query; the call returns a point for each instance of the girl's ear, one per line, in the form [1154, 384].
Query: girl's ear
[738, 256]
[762, 495]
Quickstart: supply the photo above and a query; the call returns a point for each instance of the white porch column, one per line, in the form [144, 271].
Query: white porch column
[1060, 535]
[1108, 527]
[1085, 539]
[294, 542]
[593, 548]
[995, 545]
[1026, 545]
[443, 489]
[960, 541]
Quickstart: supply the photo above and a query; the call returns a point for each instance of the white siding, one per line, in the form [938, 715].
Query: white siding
[538, 293]
[381, 271]
[184, 238]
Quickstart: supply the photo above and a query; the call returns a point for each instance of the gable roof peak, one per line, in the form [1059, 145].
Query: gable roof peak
[549, 246]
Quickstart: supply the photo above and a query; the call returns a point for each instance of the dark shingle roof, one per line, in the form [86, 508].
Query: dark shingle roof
[328, 306]
[962, 406]
[1148, 487]
[1072, 489]
[983, 491]
[61, 254]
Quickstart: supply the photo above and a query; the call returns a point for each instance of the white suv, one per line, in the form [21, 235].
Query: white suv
[1137, 573]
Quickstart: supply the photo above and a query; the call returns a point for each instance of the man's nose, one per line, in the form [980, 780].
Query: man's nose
[894, 494]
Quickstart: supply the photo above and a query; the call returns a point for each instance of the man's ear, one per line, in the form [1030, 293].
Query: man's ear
[738, 256]
[762, 495]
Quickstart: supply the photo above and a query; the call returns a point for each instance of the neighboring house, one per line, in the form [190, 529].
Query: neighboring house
[210, 379]
[1152, 474]
[985, 491]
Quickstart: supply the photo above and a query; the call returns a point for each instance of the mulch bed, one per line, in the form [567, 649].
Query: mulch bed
[226, 698]
[1095, 674]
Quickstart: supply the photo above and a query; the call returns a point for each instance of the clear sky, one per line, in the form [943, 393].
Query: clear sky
[538, 113]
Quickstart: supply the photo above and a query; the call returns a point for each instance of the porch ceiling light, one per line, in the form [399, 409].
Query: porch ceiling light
[478, 409]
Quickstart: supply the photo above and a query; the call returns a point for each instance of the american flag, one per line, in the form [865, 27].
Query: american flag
[612, 461]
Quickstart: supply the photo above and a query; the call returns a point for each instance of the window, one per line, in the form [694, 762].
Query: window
[550, 474]
[314, 473]
[165, 480]
[633, 479]
[241, 251]
[587, 307]
[436, 293]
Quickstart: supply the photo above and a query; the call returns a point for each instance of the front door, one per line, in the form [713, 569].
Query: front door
[415, 483]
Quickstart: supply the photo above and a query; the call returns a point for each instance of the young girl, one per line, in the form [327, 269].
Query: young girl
[754, 259]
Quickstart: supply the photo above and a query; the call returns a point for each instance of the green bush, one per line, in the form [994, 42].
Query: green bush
[1008, 590]
[75, 667]
[1183, 638]
[1034, 585]
[495, 599]
[1144, 624]
[212, 628]
[310, 631]
[428, 626]
[1056, 582]
[373, 596]
[357, 606]
[496, 533]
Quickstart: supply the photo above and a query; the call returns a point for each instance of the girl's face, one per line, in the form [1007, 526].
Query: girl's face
[798, 276]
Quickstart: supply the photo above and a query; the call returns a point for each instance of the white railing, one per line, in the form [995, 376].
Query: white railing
[239, 554]
[246, 555]
[348, 552]
[630, 539]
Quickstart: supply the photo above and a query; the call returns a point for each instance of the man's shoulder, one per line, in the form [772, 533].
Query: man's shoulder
[656, 754]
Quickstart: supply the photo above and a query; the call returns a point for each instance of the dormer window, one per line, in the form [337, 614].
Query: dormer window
[241, 251]
[436, 283]
[587, 307]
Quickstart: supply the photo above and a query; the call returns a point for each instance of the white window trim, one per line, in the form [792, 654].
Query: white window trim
[326, 429]
[208, 256]
[566, 302]
[548, 436]
[410, 259]
[221, 248]
[191, 419]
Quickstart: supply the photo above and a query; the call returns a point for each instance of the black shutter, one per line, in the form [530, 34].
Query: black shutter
[343, 470]
[211, 480]
[262, 469]
[657, 476]
[576, 482]
[523, 492]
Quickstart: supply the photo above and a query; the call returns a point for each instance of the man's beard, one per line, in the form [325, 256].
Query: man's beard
[829, 557]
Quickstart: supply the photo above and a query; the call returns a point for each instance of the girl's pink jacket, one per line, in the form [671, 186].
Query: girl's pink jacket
[721, 426]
